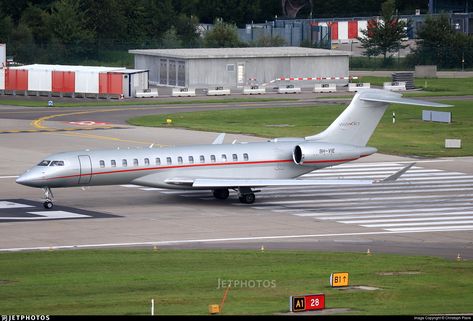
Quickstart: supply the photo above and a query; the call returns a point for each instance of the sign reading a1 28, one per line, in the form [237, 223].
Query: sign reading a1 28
[308, 302]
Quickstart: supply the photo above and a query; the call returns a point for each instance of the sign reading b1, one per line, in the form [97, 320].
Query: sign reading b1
[339, 279]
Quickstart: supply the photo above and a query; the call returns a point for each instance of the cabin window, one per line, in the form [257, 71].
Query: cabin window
[44, 163]
[245, 156]
[235, 157]
[191, 160]
[224, 157]
[124, 163]
[147, 161]
[102, 164]
[158, 161]
[202, 159]
[179, 160]
[212, 158]
[169, 160]
[113, 163]
[135, 162]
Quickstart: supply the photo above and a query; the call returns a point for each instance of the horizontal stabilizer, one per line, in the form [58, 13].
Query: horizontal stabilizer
[394, 98]
[396, 175]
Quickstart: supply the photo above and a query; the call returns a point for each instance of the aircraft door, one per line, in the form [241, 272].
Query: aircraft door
[85, 169]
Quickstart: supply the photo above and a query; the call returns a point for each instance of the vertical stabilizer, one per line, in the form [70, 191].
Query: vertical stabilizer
[357, 122]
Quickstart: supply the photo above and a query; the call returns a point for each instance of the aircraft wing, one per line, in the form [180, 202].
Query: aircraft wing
[229, 183]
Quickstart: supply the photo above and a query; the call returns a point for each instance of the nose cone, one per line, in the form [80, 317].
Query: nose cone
[29, 178]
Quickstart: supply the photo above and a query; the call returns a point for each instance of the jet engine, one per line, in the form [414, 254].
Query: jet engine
[310, 154]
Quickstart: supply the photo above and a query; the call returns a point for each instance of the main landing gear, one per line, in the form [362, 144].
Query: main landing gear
[221, 193]
[245, 194]
[48, 198]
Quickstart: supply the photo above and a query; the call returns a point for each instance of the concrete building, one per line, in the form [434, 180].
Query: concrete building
[237, 67]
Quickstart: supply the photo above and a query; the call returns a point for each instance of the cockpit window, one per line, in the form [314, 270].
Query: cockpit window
[44, 163]
[57, 163]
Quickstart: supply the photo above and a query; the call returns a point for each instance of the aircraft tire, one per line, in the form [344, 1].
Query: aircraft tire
[247, 198]
[221, 194]
[48, 205]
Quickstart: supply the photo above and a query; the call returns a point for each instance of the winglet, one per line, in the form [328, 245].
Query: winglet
[219, 139]
[396, 175]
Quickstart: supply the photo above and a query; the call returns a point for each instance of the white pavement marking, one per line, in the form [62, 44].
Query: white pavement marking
[383, 205]
[7, 204]
[431, 229]
[415, 219]
[409, 214]
[233, 239]
[45, 215]
[414, 211]
[151, 189]
[382, 174]
[366, 199]
[130, 186]
[1, 177]
[420, 224]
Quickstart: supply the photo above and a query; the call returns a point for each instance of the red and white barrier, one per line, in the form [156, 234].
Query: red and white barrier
[344, 30]
[311, 78]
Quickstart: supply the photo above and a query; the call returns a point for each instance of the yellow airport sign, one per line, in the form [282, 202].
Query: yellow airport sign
[339, 279]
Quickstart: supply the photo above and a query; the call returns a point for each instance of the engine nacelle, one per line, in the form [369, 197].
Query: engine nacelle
[311, 154]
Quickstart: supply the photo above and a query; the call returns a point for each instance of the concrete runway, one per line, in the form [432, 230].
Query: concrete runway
[428, 212]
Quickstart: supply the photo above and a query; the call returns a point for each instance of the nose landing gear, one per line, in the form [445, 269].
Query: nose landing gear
[48, 198]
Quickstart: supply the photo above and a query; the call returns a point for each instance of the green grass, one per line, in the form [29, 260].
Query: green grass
[186, 281]
[431, 86]
[409, 136]
[98, 103]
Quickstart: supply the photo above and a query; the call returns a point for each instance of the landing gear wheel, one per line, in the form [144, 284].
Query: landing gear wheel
[48, 205]
[247, 198]
[221, 194]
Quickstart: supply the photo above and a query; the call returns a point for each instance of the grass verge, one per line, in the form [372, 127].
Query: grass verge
[44, 103]
[431, 86]
[186, 281]
[409, 136]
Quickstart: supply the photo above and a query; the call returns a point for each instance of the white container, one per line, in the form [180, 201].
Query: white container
[218, 91]
[183, 92]
[289, 89]
[358, 86]
[87, 82]
[39, 80]
[148, 93]
[2, 79]
[325, 88]
[254, 90]
[3, 55]
[395, 86]
[343, 30]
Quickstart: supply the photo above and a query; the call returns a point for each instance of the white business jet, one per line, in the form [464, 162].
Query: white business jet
[219, 167]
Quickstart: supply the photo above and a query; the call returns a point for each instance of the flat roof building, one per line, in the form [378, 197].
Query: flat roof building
[237, 67]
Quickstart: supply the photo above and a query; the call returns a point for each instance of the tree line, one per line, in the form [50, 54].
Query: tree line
[74, 31]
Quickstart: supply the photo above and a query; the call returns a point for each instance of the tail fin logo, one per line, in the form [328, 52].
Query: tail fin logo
[350, 124]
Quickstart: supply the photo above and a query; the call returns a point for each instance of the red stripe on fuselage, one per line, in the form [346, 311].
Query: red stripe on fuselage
[201, 165]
